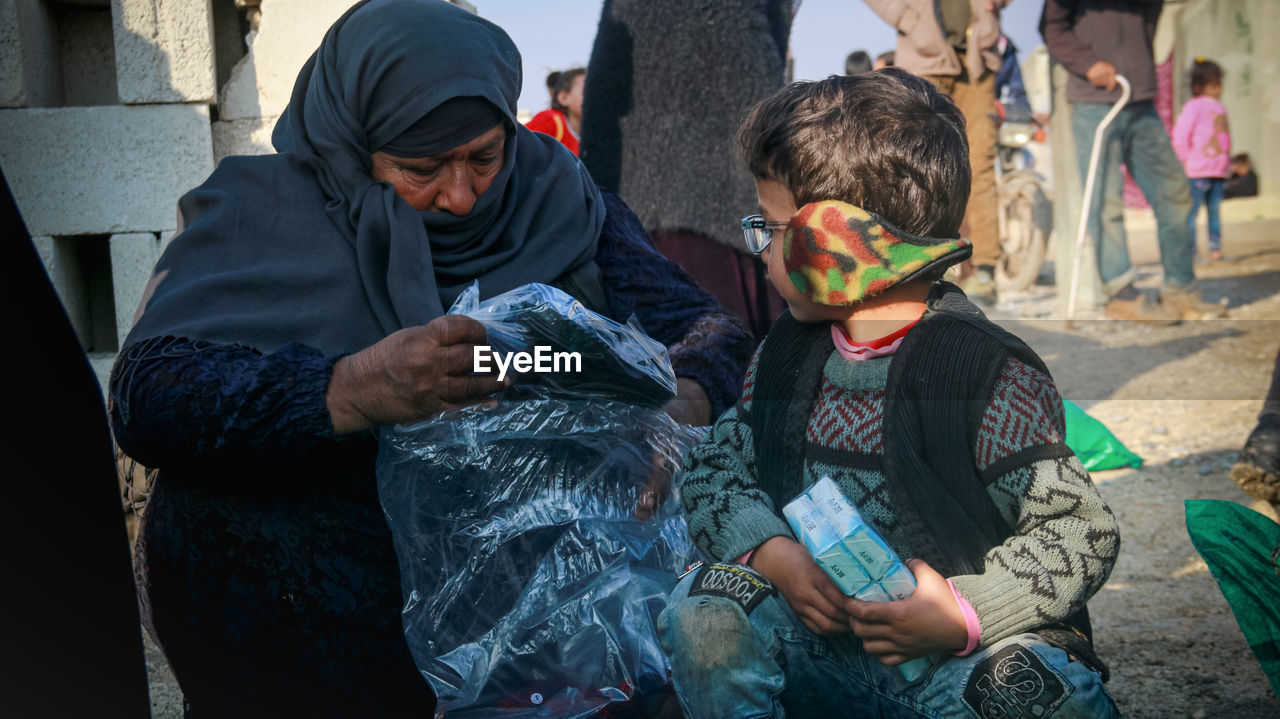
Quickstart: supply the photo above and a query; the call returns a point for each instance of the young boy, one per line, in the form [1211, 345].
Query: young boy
[943, 429]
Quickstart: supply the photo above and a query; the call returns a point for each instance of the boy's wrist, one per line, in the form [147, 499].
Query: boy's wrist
[761, 558]
[973, 629]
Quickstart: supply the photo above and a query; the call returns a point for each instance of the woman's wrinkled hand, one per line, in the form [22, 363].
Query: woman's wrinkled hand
[813, 597]
[927, 622]
[410, 375]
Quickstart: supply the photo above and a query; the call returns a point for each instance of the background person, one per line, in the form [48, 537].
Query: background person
[1257, 469]
[953, 44]
[1096, 40]
[666, 86]
[1243, 181]
[857, 63]
[1202, 139]
[302, 307]
[563, 120]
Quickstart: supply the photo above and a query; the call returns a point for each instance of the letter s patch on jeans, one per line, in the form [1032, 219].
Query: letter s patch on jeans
[732, 581]
[1013, 683]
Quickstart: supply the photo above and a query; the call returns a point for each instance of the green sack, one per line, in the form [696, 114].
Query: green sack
[1240, 546]
[1093, 443]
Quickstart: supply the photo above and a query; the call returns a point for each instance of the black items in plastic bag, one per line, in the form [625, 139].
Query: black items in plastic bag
[617, 361]
[530, 585]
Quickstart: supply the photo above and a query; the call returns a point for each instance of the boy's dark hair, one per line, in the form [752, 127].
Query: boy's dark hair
[886, 141]
[857, 63]
[558, 82]
[1242, 157]
[1204, 72]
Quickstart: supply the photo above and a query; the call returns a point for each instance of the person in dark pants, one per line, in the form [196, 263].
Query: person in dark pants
[1096, 40]
[1257, 470]
[955, 45]
[73, 644]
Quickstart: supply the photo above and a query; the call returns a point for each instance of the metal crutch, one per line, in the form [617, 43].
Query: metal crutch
[1123, 82]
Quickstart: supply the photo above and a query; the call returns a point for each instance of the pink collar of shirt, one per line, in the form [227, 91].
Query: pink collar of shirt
[858, 351]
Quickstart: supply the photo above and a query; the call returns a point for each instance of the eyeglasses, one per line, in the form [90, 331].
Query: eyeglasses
[759, 232]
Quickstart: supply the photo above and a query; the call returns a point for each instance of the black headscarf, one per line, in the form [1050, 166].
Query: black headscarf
[304, 246]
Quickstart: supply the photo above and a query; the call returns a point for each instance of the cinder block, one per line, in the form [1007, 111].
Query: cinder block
[242, 137]
[87, 56]
[133, 257]
[104, 170]
[30, 71]
[64, 272]
[164, 51]
[289, 31]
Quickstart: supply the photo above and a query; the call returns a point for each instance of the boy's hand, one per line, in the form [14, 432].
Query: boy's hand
[927, 622]
[813, 597]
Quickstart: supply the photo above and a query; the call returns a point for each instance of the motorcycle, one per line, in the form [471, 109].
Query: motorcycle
[1025, 209]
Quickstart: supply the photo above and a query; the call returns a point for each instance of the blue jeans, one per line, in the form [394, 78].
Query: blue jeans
[1136, 138]
[1209, 191]
[736, 650]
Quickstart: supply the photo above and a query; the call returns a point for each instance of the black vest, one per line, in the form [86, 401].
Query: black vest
[940, 379]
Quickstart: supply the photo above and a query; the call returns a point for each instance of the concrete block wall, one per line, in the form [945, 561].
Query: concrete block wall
[86, 56]
[29, 71]
[103, 170]
[164, 51]
[104, 123]
[133, 257]
[106, 120]
[261, 84]
[65, 274]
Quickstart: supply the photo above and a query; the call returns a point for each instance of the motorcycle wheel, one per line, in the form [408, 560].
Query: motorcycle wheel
[1027, 223]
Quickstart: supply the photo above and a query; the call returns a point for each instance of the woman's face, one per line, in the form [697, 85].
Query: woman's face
[449, 182]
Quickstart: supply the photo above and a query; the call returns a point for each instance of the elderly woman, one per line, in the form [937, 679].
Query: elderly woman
[302, 307]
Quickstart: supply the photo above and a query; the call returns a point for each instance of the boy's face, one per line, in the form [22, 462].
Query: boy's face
[777, 204]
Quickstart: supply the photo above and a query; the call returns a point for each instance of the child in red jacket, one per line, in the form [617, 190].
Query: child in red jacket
[564, 118]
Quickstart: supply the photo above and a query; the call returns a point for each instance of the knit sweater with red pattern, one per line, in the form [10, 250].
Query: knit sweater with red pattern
[1065, 538]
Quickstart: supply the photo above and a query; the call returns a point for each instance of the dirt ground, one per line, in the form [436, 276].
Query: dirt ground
[1184, 398]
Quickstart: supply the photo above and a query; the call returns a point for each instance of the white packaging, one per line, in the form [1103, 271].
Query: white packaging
[823, 544]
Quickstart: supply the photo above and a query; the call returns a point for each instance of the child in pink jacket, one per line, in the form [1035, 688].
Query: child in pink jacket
[1203, 143]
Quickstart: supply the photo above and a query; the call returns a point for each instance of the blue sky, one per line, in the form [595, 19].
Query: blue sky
[557, 34]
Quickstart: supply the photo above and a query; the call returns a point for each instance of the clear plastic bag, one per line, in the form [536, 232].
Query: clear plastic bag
[531, 586]
[617, 361]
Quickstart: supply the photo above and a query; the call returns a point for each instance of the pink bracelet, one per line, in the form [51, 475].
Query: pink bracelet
[970, 622]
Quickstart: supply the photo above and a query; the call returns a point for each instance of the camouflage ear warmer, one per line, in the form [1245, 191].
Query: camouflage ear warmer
[837, 254]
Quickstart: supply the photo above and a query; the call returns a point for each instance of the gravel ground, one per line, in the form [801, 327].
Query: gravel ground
[1184, 398]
